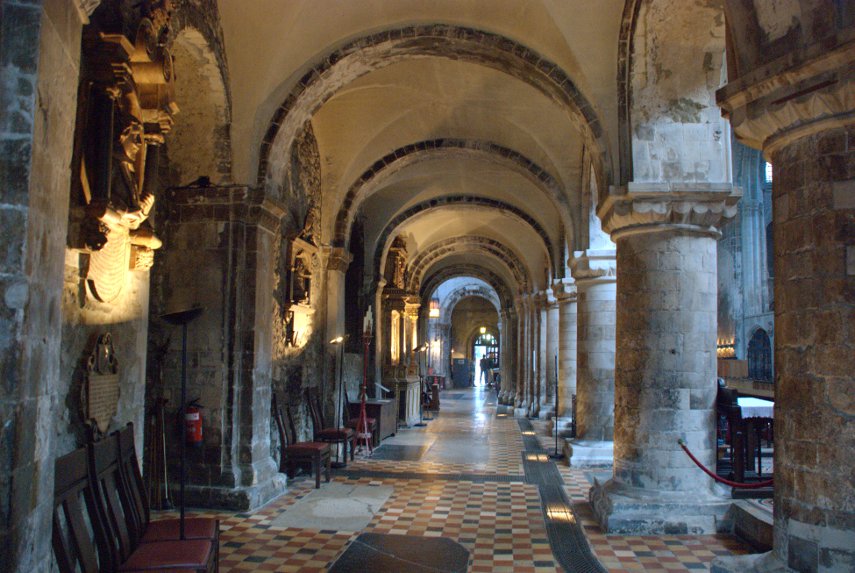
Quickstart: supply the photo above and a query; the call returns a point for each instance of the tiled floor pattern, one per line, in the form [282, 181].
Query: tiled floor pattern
[500, 523]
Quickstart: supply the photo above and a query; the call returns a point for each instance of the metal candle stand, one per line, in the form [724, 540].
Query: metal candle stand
[362, 432]
[183, 317]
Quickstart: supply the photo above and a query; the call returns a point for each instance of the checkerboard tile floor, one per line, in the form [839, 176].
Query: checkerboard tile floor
[500, 523]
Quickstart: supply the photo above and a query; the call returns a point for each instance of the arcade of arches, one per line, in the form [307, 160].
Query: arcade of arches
[586, 183]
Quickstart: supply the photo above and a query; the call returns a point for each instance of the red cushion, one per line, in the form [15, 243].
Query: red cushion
[169, 529]
[335, 434]
[308, 448]
[187, 554]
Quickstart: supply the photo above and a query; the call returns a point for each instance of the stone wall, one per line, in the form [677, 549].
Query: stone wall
[40, 63]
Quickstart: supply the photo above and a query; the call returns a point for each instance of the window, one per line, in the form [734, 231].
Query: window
[760, 356]
[768, 172]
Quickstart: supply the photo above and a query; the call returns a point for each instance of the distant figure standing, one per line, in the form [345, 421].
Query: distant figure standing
[485, 364]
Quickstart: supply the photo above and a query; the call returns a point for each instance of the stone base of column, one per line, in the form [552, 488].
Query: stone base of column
[757, 563]
[565, 427]
[246, 498]
[547, 413]
[589, 453]
[520, 412]
[621, 509]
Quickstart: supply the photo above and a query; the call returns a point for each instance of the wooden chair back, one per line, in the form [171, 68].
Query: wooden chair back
[315, 411]
[104, 460]
[132, 480]
[75, 505]
[284, 422]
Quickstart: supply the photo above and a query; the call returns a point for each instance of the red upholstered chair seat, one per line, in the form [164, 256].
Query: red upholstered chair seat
[307, 447]
[335, 434]
[372, 422]
[168, 529]
[188, 554]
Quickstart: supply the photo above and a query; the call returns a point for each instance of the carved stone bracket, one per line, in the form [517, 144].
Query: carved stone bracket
[565, 290]
[789, 99]
[703, 206]
[337, 258]
[593, 265]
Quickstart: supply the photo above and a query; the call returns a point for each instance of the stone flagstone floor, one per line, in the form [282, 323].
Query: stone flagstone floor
[467, 484]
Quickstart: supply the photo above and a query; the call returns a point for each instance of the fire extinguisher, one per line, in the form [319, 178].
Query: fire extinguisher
[193, 420]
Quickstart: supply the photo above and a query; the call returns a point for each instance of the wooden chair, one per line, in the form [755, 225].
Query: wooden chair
[116, 512]
[143, 530]
[323, 433]
[294, 452]
[75, 505]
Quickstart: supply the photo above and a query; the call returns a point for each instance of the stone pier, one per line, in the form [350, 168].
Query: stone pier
[565, 292]
[594, 271]
[665, 370]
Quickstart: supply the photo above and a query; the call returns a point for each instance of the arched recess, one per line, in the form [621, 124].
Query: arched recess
[450, 301]
[670, 60]
[389, 232]
[412, 154]
[372, 52]
[199, 144]
[433, 280]
[468, 244]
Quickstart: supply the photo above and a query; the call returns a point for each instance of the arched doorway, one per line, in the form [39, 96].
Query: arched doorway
[485, 357]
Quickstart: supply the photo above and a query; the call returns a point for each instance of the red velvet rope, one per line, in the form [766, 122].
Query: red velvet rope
[720, 479]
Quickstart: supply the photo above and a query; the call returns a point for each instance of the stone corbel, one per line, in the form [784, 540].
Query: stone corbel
[337, 259]
[701, 207]
[565, 290]
[793, 97]
[593, 265]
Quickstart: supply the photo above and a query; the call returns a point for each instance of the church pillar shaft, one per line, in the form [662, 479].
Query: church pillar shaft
[567, 353]
[595, 281]
[814, 316]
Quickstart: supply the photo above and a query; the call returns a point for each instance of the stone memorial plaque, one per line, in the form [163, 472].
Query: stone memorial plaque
[102, 384]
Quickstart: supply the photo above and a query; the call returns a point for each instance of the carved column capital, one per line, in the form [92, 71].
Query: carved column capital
[565, 290]
[792, 97]
[593, 266]
[643, 207]
[337, 259]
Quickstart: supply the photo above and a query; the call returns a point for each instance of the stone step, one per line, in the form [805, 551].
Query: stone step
[752, 521]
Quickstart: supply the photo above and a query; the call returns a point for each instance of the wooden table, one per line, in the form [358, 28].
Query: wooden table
[381, 410]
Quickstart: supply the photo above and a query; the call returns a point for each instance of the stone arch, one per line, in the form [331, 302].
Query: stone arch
[199, 145]
[452, 200]
[414, 153]
[432, 282]
[439, 250]
[669, 125]
[375, 51]
[465, 291]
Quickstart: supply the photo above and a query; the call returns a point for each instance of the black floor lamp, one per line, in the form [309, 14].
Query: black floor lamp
[183, 317]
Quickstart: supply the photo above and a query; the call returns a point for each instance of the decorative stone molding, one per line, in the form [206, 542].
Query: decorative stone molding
[337, 259]
[793, 97]
[85, 9]
[646, 206]
[565, 290]
[593, 265]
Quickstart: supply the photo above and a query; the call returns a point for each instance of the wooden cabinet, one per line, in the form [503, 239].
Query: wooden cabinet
[381, 410]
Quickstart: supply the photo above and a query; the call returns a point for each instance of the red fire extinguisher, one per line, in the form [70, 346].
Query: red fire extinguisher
[193, 420]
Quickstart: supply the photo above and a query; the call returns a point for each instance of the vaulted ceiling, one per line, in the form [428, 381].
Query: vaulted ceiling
[460, 125]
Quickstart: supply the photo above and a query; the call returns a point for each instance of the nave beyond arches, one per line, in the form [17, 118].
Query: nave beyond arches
[584, 182]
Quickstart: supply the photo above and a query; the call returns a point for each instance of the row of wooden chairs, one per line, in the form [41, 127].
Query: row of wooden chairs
[317, 452]
[101, 519]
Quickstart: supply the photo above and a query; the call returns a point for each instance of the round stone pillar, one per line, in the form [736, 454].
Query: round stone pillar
[538, 325]
[594, 271]
[665, 370]
[799, 110]
[521, 401]
[565, 293]
[550, 353]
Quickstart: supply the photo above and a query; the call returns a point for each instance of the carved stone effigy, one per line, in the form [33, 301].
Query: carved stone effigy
[128, 97]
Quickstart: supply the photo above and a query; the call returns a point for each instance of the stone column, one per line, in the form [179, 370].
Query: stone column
[565, 293]
[523, 357]
[808, 134]
[594, 272]
[665, 369]
[550, 352]
[338, 260]
[537, 324]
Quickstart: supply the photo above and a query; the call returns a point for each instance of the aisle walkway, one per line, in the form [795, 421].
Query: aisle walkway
[475, 475]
